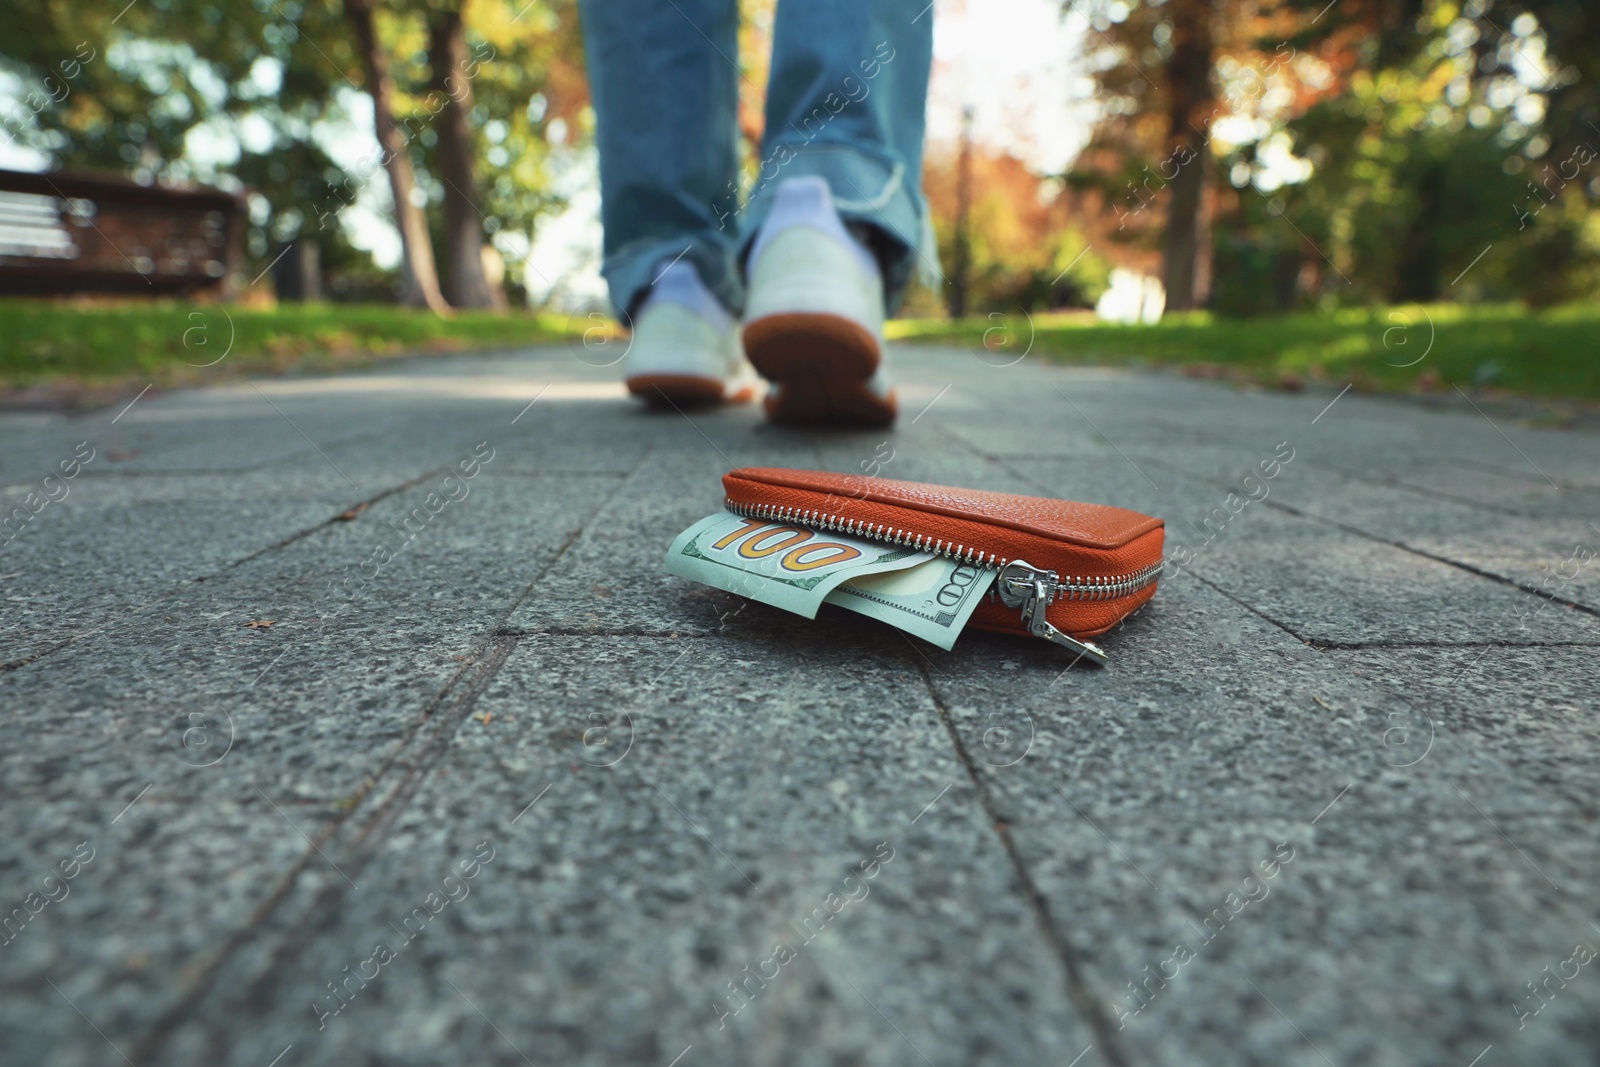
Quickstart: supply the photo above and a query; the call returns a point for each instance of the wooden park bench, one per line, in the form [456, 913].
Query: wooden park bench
[63, 233]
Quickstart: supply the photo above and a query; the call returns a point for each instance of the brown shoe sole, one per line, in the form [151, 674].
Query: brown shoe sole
[823, 364]
[685, 390]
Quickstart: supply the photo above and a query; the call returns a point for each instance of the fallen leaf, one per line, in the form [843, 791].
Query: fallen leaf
[346, 516]
[260, 624]
[485, 717]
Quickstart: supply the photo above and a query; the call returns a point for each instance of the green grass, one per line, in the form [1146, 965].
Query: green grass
[58, 347]
[1553, 353]
[50, 343]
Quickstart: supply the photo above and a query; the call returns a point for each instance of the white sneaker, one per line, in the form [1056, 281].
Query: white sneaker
[685, 347]
[814, 314]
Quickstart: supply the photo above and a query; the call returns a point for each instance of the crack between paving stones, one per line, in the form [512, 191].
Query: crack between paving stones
[492, 655]
[1431, 494]
[484, 665]
[161, 598]
[1355, 531]
[500, 624]
[1367, 535]
[1383, 685]
[254, 468]
[1082, 997]
[493, 651]
[515, 473]
[577, 631]
[1346, 472]
[325, 523]
[1402, 546]
[1564, 484]
[1349, 646]
[498, 631]
[1257, 612]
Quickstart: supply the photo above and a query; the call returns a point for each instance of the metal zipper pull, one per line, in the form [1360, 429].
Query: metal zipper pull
[1022, 585]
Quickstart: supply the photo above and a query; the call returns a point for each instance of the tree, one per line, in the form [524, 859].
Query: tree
[1159, 66]
[128, 109]
[1422, 162]
[416, 249]
[961, 253]
[453, 67]
[122, 92]
[1155, 69]
[520, 97]
[1186, 242]
[1026, 242]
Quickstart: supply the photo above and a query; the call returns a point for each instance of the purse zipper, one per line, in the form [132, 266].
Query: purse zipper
[1019, 584]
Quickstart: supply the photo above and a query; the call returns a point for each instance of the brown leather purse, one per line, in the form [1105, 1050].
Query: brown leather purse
[1066, 571]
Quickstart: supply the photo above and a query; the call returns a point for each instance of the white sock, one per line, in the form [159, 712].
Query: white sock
[807, 201]
[680, 284]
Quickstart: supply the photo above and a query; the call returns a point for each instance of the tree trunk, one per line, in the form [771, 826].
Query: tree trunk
[1418, 275]
[961, 267]
[466, 284]
[422, 279]
[1186, 245]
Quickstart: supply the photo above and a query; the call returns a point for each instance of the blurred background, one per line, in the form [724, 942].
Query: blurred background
[1398, 193]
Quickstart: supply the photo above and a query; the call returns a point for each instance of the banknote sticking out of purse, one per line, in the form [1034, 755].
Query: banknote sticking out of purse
[1064, 571]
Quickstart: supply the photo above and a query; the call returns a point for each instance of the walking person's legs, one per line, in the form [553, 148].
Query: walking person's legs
[665, 84]
[833, 231]
[834, 228]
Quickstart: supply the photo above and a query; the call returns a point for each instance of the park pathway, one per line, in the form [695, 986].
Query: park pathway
[370, 731]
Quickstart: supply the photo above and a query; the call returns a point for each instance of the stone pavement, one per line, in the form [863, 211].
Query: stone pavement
[493, 789]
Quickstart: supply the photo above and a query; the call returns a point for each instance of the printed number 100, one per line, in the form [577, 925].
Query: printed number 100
[801, 549]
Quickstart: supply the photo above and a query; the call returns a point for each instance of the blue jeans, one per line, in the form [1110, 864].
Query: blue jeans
[845, 101]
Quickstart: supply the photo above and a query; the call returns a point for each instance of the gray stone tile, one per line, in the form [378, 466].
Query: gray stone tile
[169, 884]
[1330, 587]
[114, 545]
[1530, 709]
[1440, 863]
[725, 800]
[312, 703]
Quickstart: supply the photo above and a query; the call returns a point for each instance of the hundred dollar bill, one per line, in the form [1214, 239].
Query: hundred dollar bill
[789, 567]
[932, 600]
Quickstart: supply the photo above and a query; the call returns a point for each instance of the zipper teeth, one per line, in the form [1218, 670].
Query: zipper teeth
[1088, 587]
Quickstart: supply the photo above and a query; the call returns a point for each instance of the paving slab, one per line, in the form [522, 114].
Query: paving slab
[1139, 803]
[1366, 683]
[1544, 540]
[312, 661]
[758, 792]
